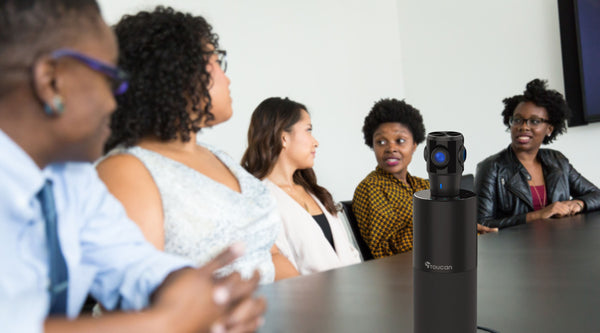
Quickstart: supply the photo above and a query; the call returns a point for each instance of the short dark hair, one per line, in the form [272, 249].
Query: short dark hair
[165, 53]
[390, 110]
[31, 28]
[553, 101]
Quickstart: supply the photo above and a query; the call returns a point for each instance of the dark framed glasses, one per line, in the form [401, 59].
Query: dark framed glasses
[531, 122]
[221, 59]
[118, 77]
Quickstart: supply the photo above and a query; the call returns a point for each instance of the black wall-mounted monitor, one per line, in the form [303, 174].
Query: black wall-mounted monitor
[580, 44]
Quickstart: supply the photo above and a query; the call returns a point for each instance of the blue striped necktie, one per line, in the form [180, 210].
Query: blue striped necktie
[59, 278]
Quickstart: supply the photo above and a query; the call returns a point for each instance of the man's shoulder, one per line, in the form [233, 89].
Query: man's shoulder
[77, 186]
[73, 173]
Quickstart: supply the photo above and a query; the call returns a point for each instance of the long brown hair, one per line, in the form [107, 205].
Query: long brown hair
[270, 118]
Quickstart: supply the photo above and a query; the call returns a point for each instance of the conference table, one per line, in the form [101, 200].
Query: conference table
[542, 276]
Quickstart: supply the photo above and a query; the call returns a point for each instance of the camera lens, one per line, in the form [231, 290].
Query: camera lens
[440, 157]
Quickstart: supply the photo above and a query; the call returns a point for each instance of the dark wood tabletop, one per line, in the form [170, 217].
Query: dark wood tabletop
[539, 277]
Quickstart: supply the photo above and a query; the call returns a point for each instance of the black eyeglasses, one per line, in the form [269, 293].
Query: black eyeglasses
[118, 77]
[531, 122]
[221, 59]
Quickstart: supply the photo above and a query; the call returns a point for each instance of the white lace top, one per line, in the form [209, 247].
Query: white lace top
[202, 216]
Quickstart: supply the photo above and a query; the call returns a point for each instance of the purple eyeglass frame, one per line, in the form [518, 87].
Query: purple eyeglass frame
[119, 77]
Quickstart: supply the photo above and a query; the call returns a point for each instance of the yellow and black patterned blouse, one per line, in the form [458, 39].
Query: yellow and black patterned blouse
[383, 206]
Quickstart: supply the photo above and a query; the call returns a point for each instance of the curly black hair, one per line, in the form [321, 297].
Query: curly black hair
[165, 53]
[537, 93]
[393, 111]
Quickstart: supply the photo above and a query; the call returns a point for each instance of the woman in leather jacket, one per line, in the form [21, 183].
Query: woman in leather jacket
[523, 183]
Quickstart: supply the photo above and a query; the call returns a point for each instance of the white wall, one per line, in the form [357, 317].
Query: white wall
[461, 58]
[453, 60]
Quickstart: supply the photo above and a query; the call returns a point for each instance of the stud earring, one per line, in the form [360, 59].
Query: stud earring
[57, 108]
[48, 109]
[58, 104]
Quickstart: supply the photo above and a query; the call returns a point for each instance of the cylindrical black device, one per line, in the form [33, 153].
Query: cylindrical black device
[445, 251]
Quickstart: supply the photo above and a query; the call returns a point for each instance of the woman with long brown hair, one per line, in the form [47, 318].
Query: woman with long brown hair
[281, 152]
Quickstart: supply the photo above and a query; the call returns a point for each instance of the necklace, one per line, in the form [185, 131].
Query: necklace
[292, 193]
[306, 207]
[542, 204]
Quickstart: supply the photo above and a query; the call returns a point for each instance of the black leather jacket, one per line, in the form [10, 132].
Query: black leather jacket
[504, 197]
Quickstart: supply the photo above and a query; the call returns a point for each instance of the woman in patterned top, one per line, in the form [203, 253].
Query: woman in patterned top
[382, 202]
[188, 198]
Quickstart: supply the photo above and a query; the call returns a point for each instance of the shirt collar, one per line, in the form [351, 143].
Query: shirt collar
[20, 177]
[382, 172]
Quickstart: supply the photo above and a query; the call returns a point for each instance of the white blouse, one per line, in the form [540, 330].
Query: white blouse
[303, 242]
[202, 217]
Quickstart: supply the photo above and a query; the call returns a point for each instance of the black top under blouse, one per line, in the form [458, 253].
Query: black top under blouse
[324, 224]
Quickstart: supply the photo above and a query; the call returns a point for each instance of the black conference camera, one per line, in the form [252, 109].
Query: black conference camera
[445, 155]
[445, 242]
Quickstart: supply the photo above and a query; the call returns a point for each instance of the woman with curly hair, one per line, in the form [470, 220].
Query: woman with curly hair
[523, 183]
[383, 201]
[313, 238]
[188, 198]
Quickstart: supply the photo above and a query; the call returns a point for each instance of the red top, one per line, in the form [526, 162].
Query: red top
[538, 195]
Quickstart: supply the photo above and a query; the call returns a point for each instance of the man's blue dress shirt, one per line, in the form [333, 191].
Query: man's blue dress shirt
[106, 253]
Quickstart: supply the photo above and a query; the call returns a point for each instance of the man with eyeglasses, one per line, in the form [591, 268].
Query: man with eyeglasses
[62, 235]
[523, 182]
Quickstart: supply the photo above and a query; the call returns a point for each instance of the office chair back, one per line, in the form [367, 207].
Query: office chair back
[362, 245]
[466, 182]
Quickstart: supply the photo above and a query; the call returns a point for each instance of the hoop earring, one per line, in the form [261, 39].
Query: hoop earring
[57, 108]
